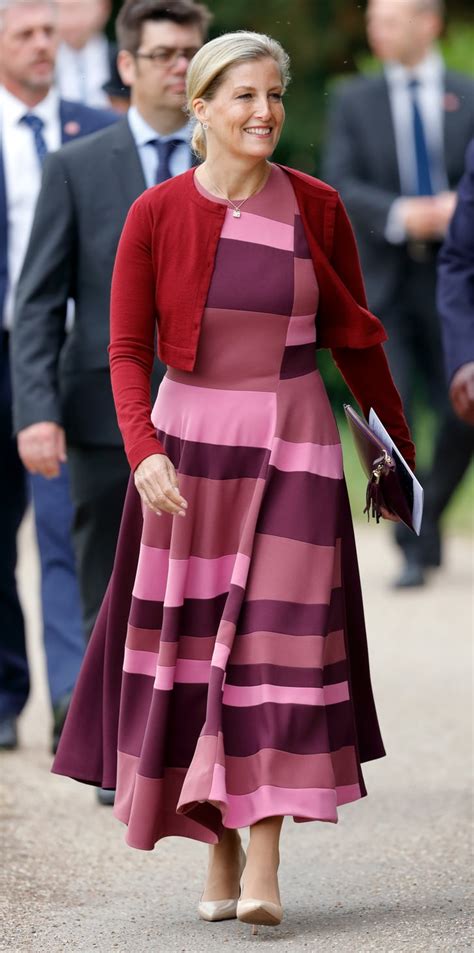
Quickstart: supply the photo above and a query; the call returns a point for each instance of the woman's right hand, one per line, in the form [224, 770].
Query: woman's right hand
[157, 483]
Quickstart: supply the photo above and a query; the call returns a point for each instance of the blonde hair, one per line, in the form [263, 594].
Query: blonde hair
[210, 65]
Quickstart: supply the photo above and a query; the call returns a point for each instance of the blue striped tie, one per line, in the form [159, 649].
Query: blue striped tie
[36, 125]
[423, 165]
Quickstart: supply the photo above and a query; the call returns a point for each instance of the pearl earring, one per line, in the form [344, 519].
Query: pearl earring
[205, 125]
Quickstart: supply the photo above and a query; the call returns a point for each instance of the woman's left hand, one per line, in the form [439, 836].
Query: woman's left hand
[387, 515]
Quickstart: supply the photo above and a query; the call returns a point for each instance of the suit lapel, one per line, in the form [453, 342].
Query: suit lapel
[3, 236]
[452, 124]
[384, 131]
[126, 163]
[70, 122]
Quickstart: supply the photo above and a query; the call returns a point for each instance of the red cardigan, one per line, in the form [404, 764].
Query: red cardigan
[162, 274]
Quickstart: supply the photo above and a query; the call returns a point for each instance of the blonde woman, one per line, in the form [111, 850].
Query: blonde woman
[245, 695]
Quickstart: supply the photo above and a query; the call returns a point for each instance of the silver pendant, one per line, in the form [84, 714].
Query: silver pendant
[236, 213]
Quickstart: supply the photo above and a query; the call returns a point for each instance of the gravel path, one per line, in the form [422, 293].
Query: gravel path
[392, 876]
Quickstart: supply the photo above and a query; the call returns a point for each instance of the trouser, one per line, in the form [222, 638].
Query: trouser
[453, 453]
[415, 354]
[99, 478]
[14, 676]
[414, 346]
[62, 623]
[63, 631]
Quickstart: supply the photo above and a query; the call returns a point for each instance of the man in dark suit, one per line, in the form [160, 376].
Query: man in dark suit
[86, 193]
[395, 151]
[33, 120]
[456, 309]
[456, 296]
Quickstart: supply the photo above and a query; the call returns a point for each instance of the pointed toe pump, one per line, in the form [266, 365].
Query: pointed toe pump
[215, 910]
[259, 913]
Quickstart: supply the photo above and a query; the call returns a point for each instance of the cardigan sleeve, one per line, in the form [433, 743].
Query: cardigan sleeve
[344, 319]
[344, 323]
[364, 365]
[132, 336]
[345, 255]
[368, 376]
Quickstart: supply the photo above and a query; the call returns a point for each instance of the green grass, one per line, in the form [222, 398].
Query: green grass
[459, 515]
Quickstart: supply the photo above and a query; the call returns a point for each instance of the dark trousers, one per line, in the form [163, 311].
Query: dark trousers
[63, 631]
[14, 676]
[414, 347]
[453, 453]
[415, 354]
[99, 478]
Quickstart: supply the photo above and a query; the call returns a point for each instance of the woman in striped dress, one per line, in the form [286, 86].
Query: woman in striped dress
[245, 695]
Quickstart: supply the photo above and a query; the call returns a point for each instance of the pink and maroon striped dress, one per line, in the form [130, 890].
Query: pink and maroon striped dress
[236, 700]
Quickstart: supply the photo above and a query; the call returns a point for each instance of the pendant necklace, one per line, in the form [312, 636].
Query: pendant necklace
[236, 206]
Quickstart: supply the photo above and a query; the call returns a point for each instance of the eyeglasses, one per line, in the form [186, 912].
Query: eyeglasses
[168, 55]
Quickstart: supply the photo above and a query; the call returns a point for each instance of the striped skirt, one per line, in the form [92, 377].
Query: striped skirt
[236, 699]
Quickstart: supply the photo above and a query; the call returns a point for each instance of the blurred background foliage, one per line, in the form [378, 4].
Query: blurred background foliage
[326, 41]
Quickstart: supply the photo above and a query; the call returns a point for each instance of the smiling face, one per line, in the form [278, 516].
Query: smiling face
[246, 114]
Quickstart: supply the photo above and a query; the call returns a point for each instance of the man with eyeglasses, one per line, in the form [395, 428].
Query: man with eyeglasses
[85, 196]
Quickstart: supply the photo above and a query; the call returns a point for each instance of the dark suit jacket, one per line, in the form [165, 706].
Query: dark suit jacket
[456, 277]
[87, 190]
[361, 162]
[76, 120]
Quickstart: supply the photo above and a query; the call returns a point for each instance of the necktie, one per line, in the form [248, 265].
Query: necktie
[424, 185]
[36, 125]
[164, 149]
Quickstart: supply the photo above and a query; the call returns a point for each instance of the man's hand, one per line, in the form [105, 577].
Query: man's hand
[426, 217]
[445, 204]
[42, 448]
[461, 392]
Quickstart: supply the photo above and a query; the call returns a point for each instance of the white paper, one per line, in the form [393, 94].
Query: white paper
[378, 428]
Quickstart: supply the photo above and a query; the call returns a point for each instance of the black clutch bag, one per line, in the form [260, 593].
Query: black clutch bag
[389, 484]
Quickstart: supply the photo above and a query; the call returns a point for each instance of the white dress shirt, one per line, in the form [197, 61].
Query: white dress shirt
[81, 74]
[23, 176]
[180, 159]
[430, 92]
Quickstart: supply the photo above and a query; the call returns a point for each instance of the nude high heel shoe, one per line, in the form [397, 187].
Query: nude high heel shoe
[214, 910]
[259, 913]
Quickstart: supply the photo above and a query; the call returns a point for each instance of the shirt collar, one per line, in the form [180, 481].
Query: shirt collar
[428, 71]
[142, 132]
[13, 109]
